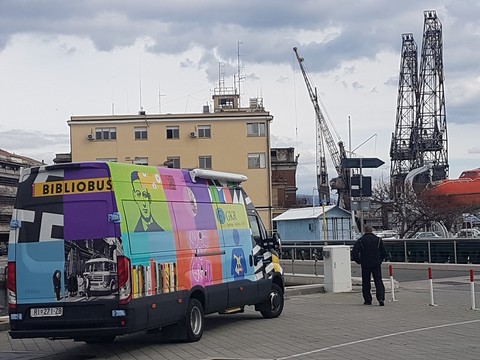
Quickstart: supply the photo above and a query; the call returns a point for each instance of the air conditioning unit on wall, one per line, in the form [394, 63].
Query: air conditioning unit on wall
[193, 134]
[90, 137]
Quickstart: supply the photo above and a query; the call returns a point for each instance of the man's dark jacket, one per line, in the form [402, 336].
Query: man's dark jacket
[369, 250]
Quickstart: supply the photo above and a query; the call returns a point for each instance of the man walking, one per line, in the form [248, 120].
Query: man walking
[370, 252]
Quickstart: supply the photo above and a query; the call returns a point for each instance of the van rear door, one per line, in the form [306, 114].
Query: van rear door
[62, 214]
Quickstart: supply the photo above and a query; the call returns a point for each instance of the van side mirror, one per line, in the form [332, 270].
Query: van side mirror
[277, 243]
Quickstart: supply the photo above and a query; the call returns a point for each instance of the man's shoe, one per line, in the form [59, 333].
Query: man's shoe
[381, 303]
[367, 303]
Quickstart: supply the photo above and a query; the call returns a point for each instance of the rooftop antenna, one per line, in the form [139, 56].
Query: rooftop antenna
[160, 99]
[141, 112]
[221, 77]
[240, 77]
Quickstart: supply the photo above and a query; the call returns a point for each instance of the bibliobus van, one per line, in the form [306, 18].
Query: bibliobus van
[98, 250]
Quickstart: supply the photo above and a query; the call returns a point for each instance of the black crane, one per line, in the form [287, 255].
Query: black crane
[323, 135]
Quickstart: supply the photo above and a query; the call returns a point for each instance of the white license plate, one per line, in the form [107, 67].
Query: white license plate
[46, 312]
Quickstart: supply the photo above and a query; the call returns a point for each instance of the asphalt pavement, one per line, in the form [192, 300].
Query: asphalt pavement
[314, 325]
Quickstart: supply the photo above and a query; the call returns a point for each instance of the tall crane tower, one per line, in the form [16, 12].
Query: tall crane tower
[430, 131]
[420, 136]
[402, 152]
[323, 134]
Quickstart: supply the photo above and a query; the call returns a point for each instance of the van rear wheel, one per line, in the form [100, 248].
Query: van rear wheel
[195, 320]
[273, 306]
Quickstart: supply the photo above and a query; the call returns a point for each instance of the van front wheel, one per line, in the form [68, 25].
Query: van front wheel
[273, 306]
[194, 320]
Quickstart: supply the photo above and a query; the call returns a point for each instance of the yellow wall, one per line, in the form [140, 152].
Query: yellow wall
[228, 145]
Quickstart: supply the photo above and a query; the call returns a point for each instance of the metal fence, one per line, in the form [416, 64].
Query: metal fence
[453, 250]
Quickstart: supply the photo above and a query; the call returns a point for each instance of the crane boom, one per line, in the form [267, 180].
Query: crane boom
[321, 163]
[323, 132]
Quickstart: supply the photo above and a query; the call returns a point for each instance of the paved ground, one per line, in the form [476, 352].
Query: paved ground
[313, 326]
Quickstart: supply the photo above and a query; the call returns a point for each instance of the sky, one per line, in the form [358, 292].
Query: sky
[63, 58]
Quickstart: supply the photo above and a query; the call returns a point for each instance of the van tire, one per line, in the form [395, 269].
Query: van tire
[273, 306]
[194, 320]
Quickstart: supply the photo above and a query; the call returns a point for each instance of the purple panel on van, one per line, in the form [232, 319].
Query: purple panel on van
[205, 217]
[87, 203]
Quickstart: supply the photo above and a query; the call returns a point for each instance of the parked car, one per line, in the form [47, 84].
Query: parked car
[468, 233]
[387, 234]
[425, 235]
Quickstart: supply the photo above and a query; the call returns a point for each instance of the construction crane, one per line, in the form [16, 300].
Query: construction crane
[402, 150]
[430, 130]
[341, 183]
[420, 138]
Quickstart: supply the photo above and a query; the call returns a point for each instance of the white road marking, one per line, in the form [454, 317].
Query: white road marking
[377, 338]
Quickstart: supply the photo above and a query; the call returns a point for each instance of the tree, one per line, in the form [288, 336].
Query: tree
[412, 212]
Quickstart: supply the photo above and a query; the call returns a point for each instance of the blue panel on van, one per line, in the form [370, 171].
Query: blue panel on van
[237, 255]
[151, 242]
[42, 259]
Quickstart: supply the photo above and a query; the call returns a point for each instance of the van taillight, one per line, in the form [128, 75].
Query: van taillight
[11, 285]
[124, 285]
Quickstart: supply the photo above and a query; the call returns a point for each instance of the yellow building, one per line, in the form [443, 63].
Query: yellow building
[230, 139]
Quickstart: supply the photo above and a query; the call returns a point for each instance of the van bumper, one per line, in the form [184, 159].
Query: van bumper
[77, 321]
[68, 333]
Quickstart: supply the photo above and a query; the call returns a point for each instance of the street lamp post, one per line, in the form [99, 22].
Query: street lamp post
[324, 224]
[323, 215]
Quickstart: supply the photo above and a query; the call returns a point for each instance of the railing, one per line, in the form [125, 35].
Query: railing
[453, 250]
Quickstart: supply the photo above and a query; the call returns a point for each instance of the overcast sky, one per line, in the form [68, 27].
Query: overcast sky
[62, 58]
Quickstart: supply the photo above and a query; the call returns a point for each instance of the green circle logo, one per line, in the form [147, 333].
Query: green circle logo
[221, 216]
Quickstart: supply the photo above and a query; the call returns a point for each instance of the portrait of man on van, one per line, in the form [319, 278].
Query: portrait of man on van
[143, 199]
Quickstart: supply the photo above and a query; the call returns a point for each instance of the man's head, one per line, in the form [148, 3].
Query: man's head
[141, 196]
[368, 229]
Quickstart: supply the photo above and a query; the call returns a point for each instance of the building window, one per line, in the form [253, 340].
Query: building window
[273, 155]
[256, 161]
[141, 133]
[106, 133]
[256, 129]
[173, 162]
[226, 103]
[205, 162]
[204, 131]
[140, 160]
[107, 159]
[173, 132]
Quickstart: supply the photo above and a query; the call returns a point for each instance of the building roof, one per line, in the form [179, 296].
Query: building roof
[19, 159]
[306, 213]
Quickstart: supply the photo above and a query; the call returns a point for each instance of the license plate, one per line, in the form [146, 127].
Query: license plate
[46, 312]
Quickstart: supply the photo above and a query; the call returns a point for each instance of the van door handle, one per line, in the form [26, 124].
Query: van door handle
[211, 253]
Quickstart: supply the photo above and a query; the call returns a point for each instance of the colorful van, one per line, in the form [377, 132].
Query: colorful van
[98, 250]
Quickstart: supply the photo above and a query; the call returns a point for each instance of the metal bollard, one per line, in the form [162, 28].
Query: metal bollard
[472, 288]
[392, 284]
[293, 260]
[430, 278]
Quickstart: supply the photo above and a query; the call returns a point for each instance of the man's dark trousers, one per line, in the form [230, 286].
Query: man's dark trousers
[367, 272]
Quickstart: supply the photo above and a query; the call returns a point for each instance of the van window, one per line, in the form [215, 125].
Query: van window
[258, 231]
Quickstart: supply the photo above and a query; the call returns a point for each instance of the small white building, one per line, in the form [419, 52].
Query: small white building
[312, 224]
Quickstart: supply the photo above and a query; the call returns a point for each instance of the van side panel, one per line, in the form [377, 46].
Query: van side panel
[186, 227]
[201, 236]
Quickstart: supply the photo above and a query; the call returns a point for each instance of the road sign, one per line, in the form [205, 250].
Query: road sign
[361, 186]
[356, 163]
[364, 205]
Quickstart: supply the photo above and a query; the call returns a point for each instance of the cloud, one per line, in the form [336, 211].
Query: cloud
[35, 144]
[331, 33]
[82, 58]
